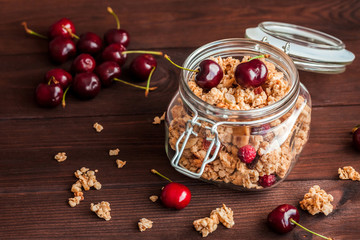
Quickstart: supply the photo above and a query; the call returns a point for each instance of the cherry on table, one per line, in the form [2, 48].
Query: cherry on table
[64, 27]
[116, 35]
[142, 66]
[252, 73]
[60, 75]
[89, 43]
[174, 195]
[61, 49]
[48, 94]
[210, 74]
[83, 63]
[107, 71]
[356, 137]
[113, 52]
[86, 85]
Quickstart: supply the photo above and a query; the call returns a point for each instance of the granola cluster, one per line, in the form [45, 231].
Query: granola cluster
[87, 179]
[157, 120]
[144, 224]
[60, 157]
[349, 172]
[316, 201]
[102, 210]
[114, 152]
[98, 127]
[209, 224]
[120, 163]
[153, 198]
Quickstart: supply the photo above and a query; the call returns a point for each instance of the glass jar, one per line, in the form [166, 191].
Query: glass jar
[203, 140]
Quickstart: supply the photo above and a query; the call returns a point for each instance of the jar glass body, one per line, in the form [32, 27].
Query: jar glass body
[203, 141]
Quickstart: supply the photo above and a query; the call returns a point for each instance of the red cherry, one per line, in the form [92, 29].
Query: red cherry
[267, 180]
[356, 138]
[107, 71]
[116, 35]
[210, 74]
[83, 63]
[142, 65]
[251, 74]
[113, 53]
[61, 49]
[86, 85]
[175, 195]
[60, 75]
[89, 43]
[48, 95]
[62, 28]
[279, 218]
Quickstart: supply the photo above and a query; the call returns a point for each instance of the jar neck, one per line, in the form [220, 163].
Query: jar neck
[237, 47]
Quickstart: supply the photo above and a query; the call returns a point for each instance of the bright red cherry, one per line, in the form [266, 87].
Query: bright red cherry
[210, 74]
[107, 71]
[48, 95]
[64, 27]
[279, 218]
[356, 137]
[267, 180]
[174, 195]
[61, 49]
[86, 85]
[251, 74]
[83, 63]
[89, 43]
[113, 53]
[60, 75]
[116, 35]
[142, 65]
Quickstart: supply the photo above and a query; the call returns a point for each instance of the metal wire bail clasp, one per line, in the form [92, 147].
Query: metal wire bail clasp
[189, 131]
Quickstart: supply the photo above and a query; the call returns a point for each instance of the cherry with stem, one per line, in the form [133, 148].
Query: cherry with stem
[116, 35]
[134, 85]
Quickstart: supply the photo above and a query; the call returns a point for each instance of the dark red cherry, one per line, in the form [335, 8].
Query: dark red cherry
[83, 63]
[89, 43]
[279, 218]
[210, 74]
[48, 95]
[61, 49]
[117, 36]
[107, 71]
[142, 65]
[267, 180]
[60, 27]
[113, 53]
[251, 74]
[356, 137]
[60, 75]
[86, 85]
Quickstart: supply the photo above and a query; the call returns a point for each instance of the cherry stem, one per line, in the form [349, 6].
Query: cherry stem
[355, 128]
[260, 56]
[109, 9]
[168, 58]
[52, 79]
[148, 82]
[294, 222]
[157, 173]
[63, 99]
[134, 85]
[31, 32]
[145, 52]
[70, 32]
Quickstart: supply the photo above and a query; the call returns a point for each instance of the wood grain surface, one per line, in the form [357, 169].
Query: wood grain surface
[34, 188]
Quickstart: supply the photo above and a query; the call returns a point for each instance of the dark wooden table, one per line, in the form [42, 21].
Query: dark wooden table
[34, 188]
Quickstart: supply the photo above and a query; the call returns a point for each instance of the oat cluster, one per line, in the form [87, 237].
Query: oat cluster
[60, 157]
[120, 163]
[102, 210]
[114, 152]
[98, 127]
[209, 224]
[86, 180]
[144, 224]
[157, 120]
[153, 198]
[316, 201]
[349, 172]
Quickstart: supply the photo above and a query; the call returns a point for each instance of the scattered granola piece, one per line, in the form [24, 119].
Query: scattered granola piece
[153, 198]
[205, 226]
[114, 152]
[120, 163]
[225, 215]
[162, 118]
[60, 157]
[157, 120]
[79, 194]
[74, 201]
[102, 210]
[316, 201]
[98, 127]
[349, 172]
[144, 224]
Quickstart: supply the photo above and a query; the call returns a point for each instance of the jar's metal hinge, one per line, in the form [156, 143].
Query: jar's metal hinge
[286, 47]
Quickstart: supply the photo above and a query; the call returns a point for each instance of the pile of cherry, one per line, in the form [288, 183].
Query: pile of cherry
[87, 76]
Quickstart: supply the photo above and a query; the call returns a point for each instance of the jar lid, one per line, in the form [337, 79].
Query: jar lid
[311, 50]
